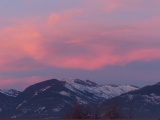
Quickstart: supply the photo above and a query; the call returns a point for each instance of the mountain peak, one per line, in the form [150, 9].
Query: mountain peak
[81, 82]
[85, 82]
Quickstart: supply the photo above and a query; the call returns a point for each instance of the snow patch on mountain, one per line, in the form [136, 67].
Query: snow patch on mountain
[130, 96]
[21, 104]
[56, 109]
[81, 101]
[44, 89]
[64, 93]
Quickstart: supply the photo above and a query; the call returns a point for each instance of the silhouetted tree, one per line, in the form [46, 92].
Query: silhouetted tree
[96, 111]
[130, 114]
[113, 111]
[87, 112]
[77, 111]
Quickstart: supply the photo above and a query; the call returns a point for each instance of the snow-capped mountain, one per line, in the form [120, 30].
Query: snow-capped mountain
[143, 103]
[103, 91]
[10, 92]
[52, 97]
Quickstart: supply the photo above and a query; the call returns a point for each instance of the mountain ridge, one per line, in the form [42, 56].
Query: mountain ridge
[144, 102]
[51, 98]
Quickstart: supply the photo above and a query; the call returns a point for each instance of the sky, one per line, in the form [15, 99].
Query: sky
[106, 41]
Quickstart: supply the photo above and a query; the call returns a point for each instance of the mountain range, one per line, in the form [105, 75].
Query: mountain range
[51, 98]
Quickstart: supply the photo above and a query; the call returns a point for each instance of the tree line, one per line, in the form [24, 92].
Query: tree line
[87, 111]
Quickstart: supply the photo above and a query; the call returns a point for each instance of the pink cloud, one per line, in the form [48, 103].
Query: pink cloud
[66, 42]
[56, 18]
[83, 38]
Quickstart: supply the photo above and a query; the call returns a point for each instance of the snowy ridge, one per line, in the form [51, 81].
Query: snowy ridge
[10, 92]
[105, 91]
